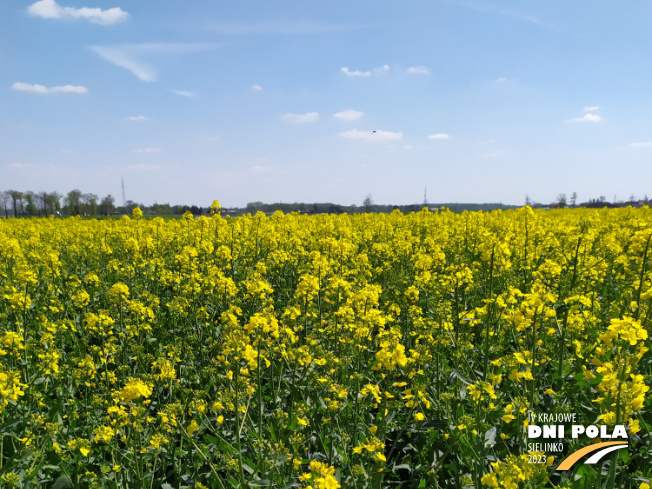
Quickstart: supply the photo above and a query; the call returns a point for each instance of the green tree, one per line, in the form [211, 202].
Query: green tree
[4, 200]
[367, 203]
[30, 204]
[16, 200]
[72, 201]
[106, 205]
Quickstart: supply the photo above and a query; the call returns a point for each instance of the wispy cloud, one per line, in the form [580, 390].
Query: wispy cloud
[348, 115]
[439, 136]
[644, 144]
[145, 167]
[124, 59]
[260, 169]
[256, 88]
[49, 9]
[299, 27]
[129, 56]
[592, 108]
[35, 88]
[515, 14]
[588, 117]
[184, 93]
[147, 150]
[136, 118]
[208, 138]
[301, 118]
[495, 154]
[29, 166]
[348, 72]
[418, 70]
[371, 136]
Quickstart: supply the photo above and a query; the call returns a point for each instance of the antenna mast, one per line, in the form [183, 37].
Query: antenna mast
[124, 199]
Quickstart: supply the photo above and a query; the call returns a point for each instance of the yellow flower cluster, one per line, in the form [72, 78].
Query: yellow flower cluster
[134, 389]
[515, 470]
[321, 476]
[377, 350]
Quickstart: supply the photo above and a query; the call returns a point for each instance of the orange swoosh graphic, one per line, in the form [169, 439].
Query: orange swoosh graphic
[575, 456]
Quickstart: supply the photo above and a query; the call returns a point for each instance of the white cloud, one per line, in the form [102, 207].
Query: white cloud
[381, 70]
[256, 88]
[301, 118]
[208, 138]
[136, 118]
[147, 150]
[29, 87]
[439, 136]
[128, 56]
[418, 70]
[372, 136]
[348, 115]
[184, 93]
[376, 71]
[69, 89]
[645, 144]
[348, 72]
[502, 79]
[588, 117]
[592, 108]
[49, 9]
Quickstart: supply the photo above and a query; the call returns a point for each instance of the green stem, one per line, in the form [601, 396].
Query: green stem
[562, 339]
[534, 354]
[490, 315]
[237, 424]
[640, 283]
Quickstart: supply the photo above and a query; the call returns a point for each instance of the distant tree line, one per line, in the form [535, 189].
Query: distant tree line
[14, 203]
[367, 206]
[563, 201]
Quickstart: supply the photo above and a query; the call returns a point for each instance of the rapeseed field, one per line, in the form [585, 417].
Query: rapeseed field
[325, 351]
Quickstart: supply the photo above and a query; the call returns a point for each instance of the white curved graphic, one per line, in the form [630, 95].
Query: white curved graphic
[595, 458]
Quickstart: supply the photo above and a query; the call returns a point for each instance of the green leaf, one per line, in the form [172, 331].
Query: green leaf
[490, 437]
[63, 482]
[457, 374]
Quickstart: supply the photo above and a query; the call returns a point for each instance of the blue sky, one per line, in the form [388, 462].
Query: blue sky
[276, 101]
